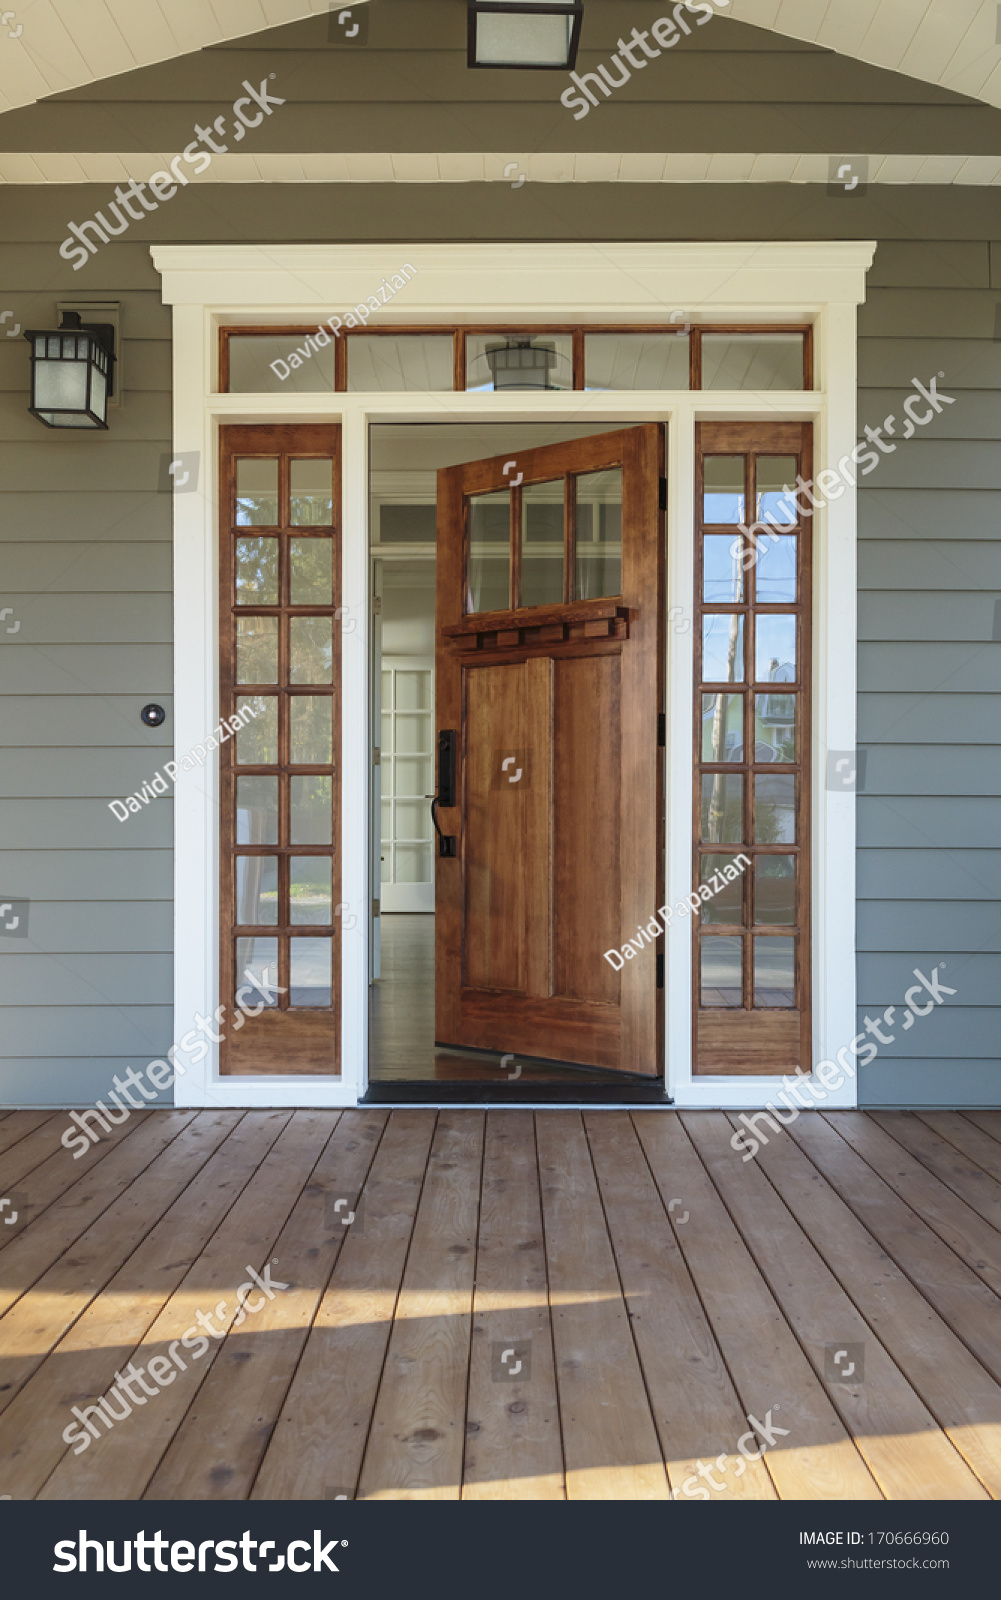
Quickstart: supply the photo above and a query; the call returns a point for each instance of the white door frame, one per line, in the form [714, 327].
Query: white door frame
[822, 283]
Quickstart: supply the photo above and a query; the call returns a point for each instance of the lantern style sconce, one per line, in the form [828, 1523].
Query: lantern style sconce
[539, 34]
[72, 373]
[521, 364]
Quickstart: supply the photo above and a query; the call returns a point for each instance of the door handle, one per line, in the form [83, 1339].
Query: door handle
[445, 793]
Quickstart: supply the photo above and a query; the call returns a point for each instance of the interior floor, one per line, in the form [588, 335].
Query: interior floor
[401, 1023]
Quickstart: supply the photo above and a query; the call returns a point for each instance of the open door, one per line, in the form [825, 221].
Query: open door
[549, 805]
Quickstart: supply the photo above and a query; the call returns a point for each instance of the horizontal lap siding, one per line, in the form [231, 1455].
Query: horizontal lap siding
[929, 818]
[85, 553]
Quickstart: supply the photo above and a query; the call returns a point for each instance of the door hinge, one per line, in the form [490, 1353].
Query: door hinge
[662, 729]
[660, 971]
[663, 494]
[377, 605]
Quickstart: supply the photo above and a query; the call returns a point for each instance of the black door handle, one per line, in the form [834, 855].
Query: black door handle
[445, 795]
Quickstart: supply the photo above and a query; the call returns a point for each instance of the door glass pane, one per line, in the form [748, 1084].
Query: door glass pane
[257, 970]
[310, 650]
[727, 902]
[259, 364]
[311, 493]
[309, 971]
[774, 648]
[387, 734]
[309, 889]
[723, 489]
[722, 570]
[722, 647]
[257, 572]
[598, 565]
[752, 361]
[257, 810]
[775, 484]
[311, 572]
[775, 570]
[413, 733]
[542, 543]
[257, 493]
[532, 361]
[257, 650]
[413, 691]
[412, 775]
[387, 821]
[409, 361]
[722, 727]
[775, 808]
[413, 819]
[310, 810]
[387, 691]
[413, 863]
[256, 891]
[721, 975]
[774, 727]
[722, 808]
[489, 586]
[257, 741]
[310, 737]
[774, 889]
[636, 361]
[774, 972]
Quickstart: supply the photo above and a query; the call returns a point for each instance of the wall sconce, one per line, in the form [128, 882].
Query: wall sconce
[72, 373]
[520, 364]
[540, 34]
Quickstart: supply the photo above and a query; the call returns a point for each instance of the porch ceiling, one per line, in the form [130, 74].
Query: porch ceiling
[52, 46]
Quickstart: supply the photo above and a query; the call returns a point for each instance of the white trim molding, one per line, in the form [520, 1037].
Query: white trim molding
[822, 283]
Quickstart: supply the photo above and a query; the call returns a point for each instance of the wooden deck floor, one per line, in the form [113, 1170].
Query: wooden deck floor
[657, 1290]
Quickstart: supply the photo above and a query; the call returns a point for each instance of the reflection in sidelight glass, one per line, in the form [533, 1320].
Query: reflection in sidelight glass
[727, 902]
[722, 647]
[256, 891]
[722, 727]
[257, 492]
[722, 572]
[489, 574]
[310, 730]
[774, 972]
[636, 361]
[257, 572]
[257, 810]
[774, 808]
[310, 650]
[257, 971]
[776, 489]
[257, 740]
[257, 649]
[774, 727]
[721, 978]
[309, 971]
[310, 810]
[774, 889]
[542, 543]
[775, 570]
[723, 489]
[309, 890]
[311, 492]
[311, 574]
[722, 808]
[598, 522]
[774, 648]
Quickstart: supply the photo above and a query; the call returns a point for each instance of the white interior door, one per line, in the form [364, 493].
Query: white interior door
[406, 771]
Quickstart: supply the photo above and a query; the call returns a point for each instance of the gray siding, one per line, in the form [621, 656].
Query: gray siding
[85, 527]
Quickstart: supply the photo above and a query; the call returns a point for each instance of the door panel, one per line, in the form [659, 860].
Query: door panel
[559, 806]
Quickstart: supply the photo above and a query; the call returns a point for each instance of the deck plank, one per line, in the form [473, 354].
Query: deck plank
[960, 1394]
[988, 1121]
[610, 1443]
[967, 1138]
[513, 1448]
[22, 1123]
[895, 1434]
[944, 1161]
[818, 1459]
[316, 1450]
[415, 1446]
[217, 1450]
[695, 1405]
[119, 1465]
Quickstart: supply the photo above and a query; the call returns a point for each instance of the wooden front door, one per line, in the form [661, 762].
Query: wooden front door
[550, 775]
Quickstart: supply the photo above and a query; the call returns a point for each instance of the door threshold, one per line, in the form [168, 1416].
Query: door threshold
[435, 1092]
